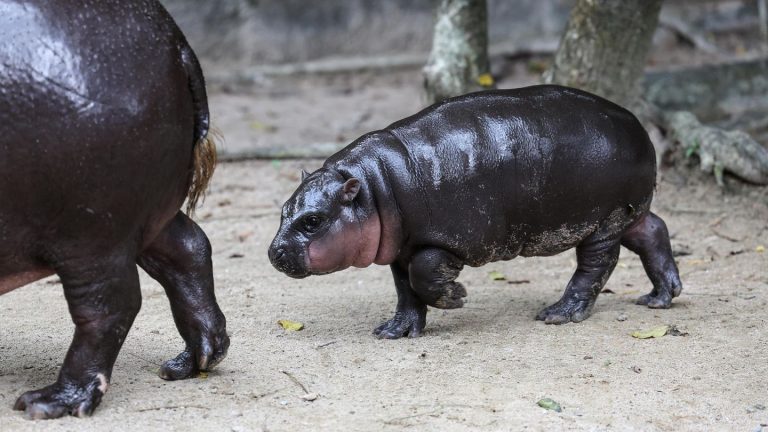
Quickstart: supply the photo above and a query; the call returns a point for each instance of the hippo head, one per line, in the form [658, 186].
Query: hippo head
[324, 228]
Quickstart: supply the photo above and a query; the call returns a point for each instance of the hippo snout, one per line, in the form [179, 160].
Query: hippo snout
[286, 262]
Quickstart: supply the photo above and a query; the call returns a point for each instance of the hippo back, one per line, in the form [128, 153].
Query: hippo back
[521, 164]
[96, 123]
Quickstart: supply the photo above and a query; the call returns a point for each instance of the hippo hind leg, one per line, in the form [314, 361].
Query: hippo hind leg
[649, 238]
[180, 259]
[103, 296]
[596, 260]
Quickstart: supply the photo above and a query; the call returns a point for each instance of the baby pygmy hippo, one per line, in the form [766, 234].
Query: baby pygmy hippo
[480, 178]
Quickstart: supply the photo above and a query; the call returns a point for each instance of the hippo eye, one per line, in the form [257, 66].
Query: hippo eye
[311, 223]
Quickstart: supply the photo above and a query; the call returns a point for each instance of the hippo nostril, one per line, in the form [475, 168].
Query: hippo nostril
[277, 254]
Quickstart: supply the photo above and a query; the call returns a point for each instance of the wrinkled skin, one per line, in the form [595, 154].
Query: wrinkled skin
[480, 178]
[101, 104]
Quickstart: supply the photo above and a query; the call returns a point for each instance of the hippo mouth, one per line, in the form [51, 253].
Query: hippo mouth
[282, 262]
[291, 271]
[296, 275]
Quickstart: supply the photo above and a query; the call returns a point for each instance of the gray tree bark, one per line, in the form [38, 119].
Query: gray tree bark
[458, 62]
[604, 47]
[603, 50]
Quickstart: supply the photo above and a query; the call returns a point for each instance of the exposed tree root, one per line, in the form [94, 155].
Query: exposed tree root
[718, 150]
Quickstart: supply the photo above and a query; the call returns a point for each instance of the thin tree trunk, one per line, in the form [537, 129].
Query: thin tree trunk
[458, 62]
[604, 47]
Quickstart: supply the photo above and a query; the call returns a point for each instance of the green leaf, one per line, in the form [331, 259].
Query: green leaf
[692, 149]
[655, 332]
[549, 404]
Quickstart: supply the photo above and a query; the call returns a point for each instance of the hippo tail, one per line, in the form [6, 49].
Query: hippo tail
[204, 151]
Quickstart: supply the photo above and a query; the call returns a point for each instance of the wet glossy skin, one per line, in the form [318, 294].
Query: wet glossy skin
[101, 104]
[487, 177]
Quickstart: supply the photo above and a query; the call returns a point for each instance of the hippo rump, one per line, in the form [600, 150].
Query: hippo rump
[103, 134]
[480, 178]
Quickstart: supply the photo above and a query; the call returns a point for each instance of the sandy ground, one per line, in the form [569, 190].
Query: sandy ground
[483, 367]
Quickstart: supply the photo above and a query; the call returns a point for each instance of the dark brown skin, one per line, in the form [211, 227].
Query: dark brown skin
[103, 118]
[480, 178]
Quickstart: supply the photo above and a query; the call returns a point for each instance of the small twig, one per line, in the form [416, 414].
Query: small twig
[141, 358]
[396, 420]
[717, 221]
[518, 282]
[326, 344]
[172, 407]
[259, 396]
[725, 236]
[295, 381]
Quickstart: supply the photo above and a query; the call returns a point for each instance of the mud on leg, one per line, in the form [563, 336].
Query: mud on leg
[433, 274]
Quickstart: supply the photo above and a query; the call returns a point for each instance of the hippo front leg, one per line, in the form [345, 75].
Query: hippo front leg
[433, 274]
[595, 262]
[410, 314]
[104, 297]
[180, 259]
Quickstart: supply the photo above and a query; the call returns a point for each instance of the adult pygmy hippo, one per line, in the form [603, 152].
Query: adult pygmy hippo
[479, 178]
[103, 126]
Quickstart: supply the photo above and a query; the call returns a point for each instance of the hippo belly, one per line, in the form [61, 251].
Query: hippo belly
[18, 279]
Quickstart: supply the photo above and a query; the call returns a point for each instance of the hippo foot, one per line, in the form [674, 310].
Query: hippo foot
[57, 400]
[566, 311]
[192, 361]
[656, 300]
[405, 323]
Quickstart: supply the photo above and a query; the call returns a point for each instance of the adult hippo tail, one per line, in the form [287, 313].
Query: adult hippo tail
[480, 178]
[103, 135]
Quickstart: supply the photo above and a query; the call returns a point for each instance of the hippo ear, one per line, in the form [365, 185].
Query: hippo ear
[350, 189]
[304, 174]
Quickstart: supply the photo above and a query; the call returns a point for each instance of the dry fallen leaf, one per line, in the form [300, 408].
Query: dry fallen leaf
[309, 397]
[289, 325]
[485, 80]
[262, 127]
[655, 332]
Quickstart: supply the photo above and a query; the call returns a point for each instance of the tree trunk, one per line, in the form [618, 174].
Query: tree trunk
[604, 47]
[458, 62]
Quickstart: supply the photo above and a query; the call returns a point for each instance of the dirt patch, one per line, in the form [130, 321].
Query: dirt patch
[483, 367]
